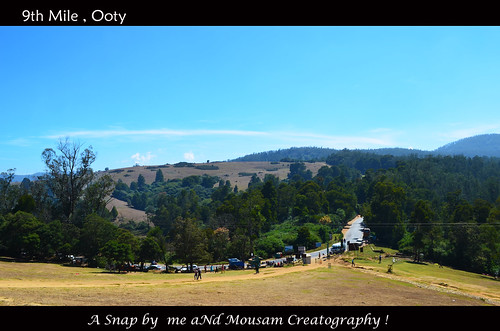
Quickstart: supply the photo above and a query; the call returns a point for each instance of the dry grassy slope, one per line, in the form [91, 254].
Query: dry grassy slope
[227, 171]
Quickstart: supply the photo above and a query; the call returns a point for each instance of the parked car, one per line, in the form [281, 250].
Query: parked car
[185, 269]
[155, 267]
[235, 263]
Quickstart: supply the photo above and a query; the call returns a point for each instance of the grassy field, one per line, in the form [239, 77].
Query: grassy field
[318, 284]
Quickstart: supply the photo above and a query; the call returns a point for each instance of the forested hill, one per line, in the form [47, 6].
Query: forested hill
[294, 153]
[321, 154]
[481, 145]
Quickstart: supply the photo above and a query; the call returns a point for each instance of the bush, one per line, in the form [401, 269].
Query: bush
[267, 246]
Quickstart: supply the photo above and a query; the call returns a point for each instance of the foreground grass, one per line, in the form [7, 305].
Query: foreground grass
[429, 274]
[49, 284]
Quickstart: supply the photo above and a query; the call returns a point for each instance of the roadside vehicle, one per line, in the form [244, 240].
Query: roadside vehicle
[235, 263]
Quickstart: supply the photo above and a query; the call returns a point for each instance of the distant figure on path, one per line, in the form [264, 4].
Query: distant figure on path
[352, 263]
[380, 258]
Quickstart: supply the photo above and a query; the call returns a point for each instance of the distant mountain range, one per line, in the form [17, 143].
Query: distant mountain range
[19, 178]
[481, 145]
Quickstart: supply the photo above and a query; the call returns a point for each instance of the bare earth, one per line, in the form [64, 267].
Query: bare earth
[312, 285]
[125, 212]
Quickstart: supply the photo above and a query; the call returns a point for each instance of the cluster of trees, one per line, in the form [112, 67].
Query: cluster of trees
[142, 196]
[233, 223]
[443, 209]
[49, 217]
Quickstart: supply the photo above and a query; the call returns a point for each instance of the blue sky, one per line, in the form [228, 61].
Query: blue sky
[157, 95]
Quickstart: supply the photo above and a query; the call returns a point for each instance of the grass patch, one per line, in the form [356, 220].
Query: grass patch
[46, 284]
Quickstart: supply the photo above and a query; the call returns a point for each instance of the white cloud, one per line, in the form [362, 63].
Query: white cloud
[20, 142]
[380, 137]
[189, 156]
[153, 132]
[142, 159]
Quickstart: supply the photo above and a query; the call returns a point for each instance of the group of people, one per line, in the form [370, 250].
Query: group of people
[197, 271]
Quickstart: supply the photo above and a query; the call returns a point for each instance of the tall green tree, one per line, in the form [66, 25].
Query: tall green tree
[69, 172]
[385, 215]
[20, 235]
[97, 195]
[150, 250]
[219, 244]
[96, 232]
[420, 219]
[159, 176]
[117, 253]
[141, 182]
[190, 242]
[7, 198]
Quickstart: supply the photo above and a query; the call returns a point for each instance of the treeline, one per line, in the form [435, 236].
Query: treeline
[315, 154]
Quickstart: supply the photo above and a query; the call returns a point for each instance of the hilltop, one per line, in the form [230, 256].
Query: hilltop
[481, 145]
[238, 173]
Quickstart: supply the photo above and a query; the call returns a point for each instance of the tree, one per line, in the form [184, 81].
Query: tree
[141, 182]
[189, 242]
[421, 219]
[219, 243]
[68, 173]
[97, 195]
[298, 171]
[159, 176]
[96, 232]
[117, 253]
[25, 203]
[114, 213]
[7, 200]
[304, 237]
[385, 214]
[156, 234]
[21, 234]
[149, 250]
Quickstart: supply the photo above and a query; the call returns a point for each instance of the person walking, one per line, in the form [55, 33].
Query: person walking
[379, 258]
[352, 263]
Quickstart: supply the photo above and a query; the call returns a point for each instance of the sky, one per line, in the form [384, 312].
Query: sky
[164, 94]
